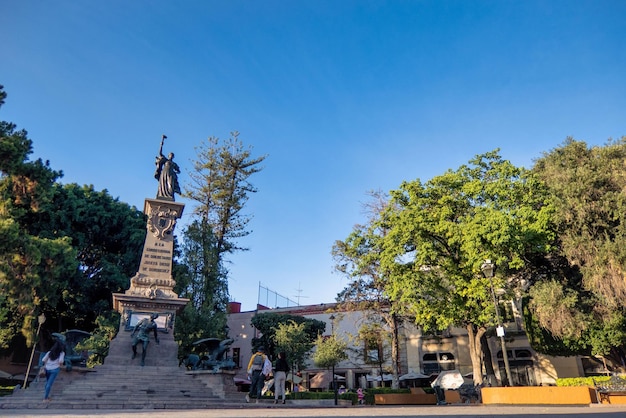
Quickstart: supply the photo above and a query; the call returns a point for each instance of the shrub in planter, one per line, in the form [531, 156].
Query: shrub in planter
[584, 381]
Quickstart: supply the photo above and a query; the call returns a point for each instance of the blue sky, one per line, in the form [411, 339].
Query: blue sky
[344, 97]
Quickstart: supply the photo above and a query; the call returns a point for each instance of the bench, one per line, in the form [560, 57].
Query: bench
[614, 388]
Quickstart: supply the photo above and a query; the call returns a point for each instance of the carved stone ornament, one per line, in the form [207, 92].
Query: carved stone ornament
[162, 220]
[151, 288]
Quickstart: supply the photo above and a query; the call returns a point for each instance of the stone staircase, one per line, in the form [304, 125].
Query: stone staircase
[121, 383]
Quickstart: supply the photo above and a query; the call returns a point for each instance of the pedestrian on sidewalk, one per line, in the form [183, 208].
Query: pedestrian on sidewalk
[280, 376]
[360, 395]
[255, 374]
[52, 362]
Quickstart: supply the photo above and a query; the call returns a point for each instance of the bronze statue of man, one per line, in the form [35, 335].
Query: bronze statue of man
[142, 329]
[167, 174]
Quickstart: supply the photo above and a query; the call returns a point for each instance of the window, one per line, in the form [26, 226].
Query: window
[236, 357]
[372, 351]
[436, 362]
[516, 354]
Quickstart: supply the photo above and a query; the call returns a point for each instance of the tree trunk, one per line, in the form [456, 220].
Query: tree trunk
[488, 361]
[475, 334]
[395, 352]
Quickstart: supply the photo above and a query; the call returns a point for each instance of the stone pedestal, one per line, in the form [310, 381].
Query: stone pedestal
[152, 288]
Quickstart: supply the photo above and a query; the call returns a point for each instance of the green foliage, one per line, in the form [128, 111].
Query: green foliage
[6, 390]
[268, 323]
[374, 336]
[64, 249]
[543, 341]
[34, 269]
[588, 185]
[609, 383]
[193, 324]
[440, 232]
[202, 279]
[552, 302]
[358, 258]
[221, 188]
[108, 236]
[97, 345]
[349, 396]
[385, 390]
[329, 351]
[205, 281]
[292, 339]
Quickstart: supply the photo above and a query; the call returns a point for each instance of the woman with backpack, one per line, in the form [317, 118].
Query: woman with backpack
[52, 362]
[255, 374]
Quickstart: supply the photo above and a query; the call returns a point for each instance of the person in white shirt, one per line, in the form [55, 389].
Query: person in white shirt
[52, 362]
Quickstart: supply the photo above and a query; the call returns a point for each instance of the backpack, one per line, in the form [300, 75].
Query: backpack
[257, 362]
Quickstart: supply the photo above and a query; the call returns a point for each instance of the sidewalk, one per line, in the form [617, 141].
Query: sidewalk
[430, 411]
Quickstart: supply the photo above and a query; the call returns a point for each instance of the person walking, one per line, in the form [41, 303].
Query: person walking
[255, 374]
[52, 362]
[280, 377]
[360, 395]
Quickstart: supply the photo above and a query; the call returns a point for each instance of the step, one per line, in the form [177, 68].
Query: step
[121, 383]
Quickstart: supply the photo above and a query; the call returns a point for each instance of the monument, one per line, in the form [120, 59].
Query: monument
[151, 289]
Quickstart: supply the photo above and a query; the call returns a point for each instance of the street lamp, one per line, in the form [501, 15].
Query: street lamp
[40, 320]
[488, 268]
[332, 331]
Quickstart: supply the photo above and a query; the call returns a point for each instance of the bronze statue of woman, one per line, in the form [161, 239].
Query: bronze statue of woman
[167, 174]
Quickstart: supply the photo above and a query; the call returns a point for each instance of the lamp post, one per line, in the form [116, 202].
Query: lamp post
[40, 320]
[488, 268]
[332, 331]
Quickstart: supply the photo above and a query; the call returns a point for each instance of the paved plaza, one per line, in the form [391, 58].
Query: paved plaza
[473, 411]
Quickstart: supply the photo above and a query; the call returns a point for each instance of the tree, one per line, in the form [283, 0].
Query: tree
[108, 236]
[581, 298]
[33, 269]
[64, 248]
[377, 341]
[220, 186]
[97, 345]
[328, 353]
[204, 284]
[440, 233]
[268, 324]
[292, 339]
[358, 258]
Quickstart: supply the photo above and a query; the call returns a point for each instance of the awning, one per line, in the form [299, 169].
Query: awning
[413, 376]
[294, 378]
[386, 377]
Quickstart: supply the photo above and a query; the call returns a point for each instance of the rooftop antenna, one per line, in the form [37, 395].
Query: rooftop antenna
[298, 296]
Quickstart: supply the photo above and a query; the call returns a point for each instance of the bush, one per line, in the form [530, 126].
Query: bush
[6, 390]
[348, 396]
[311, 395]
[383, 390]
[582, 381]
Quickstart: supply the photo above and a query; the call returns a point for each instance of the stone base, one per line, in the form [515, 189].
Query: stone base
[163, 354]
[221, 382]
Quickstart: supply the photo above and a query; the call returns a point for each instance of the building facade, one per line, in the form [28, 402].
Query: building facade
[369, 365]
